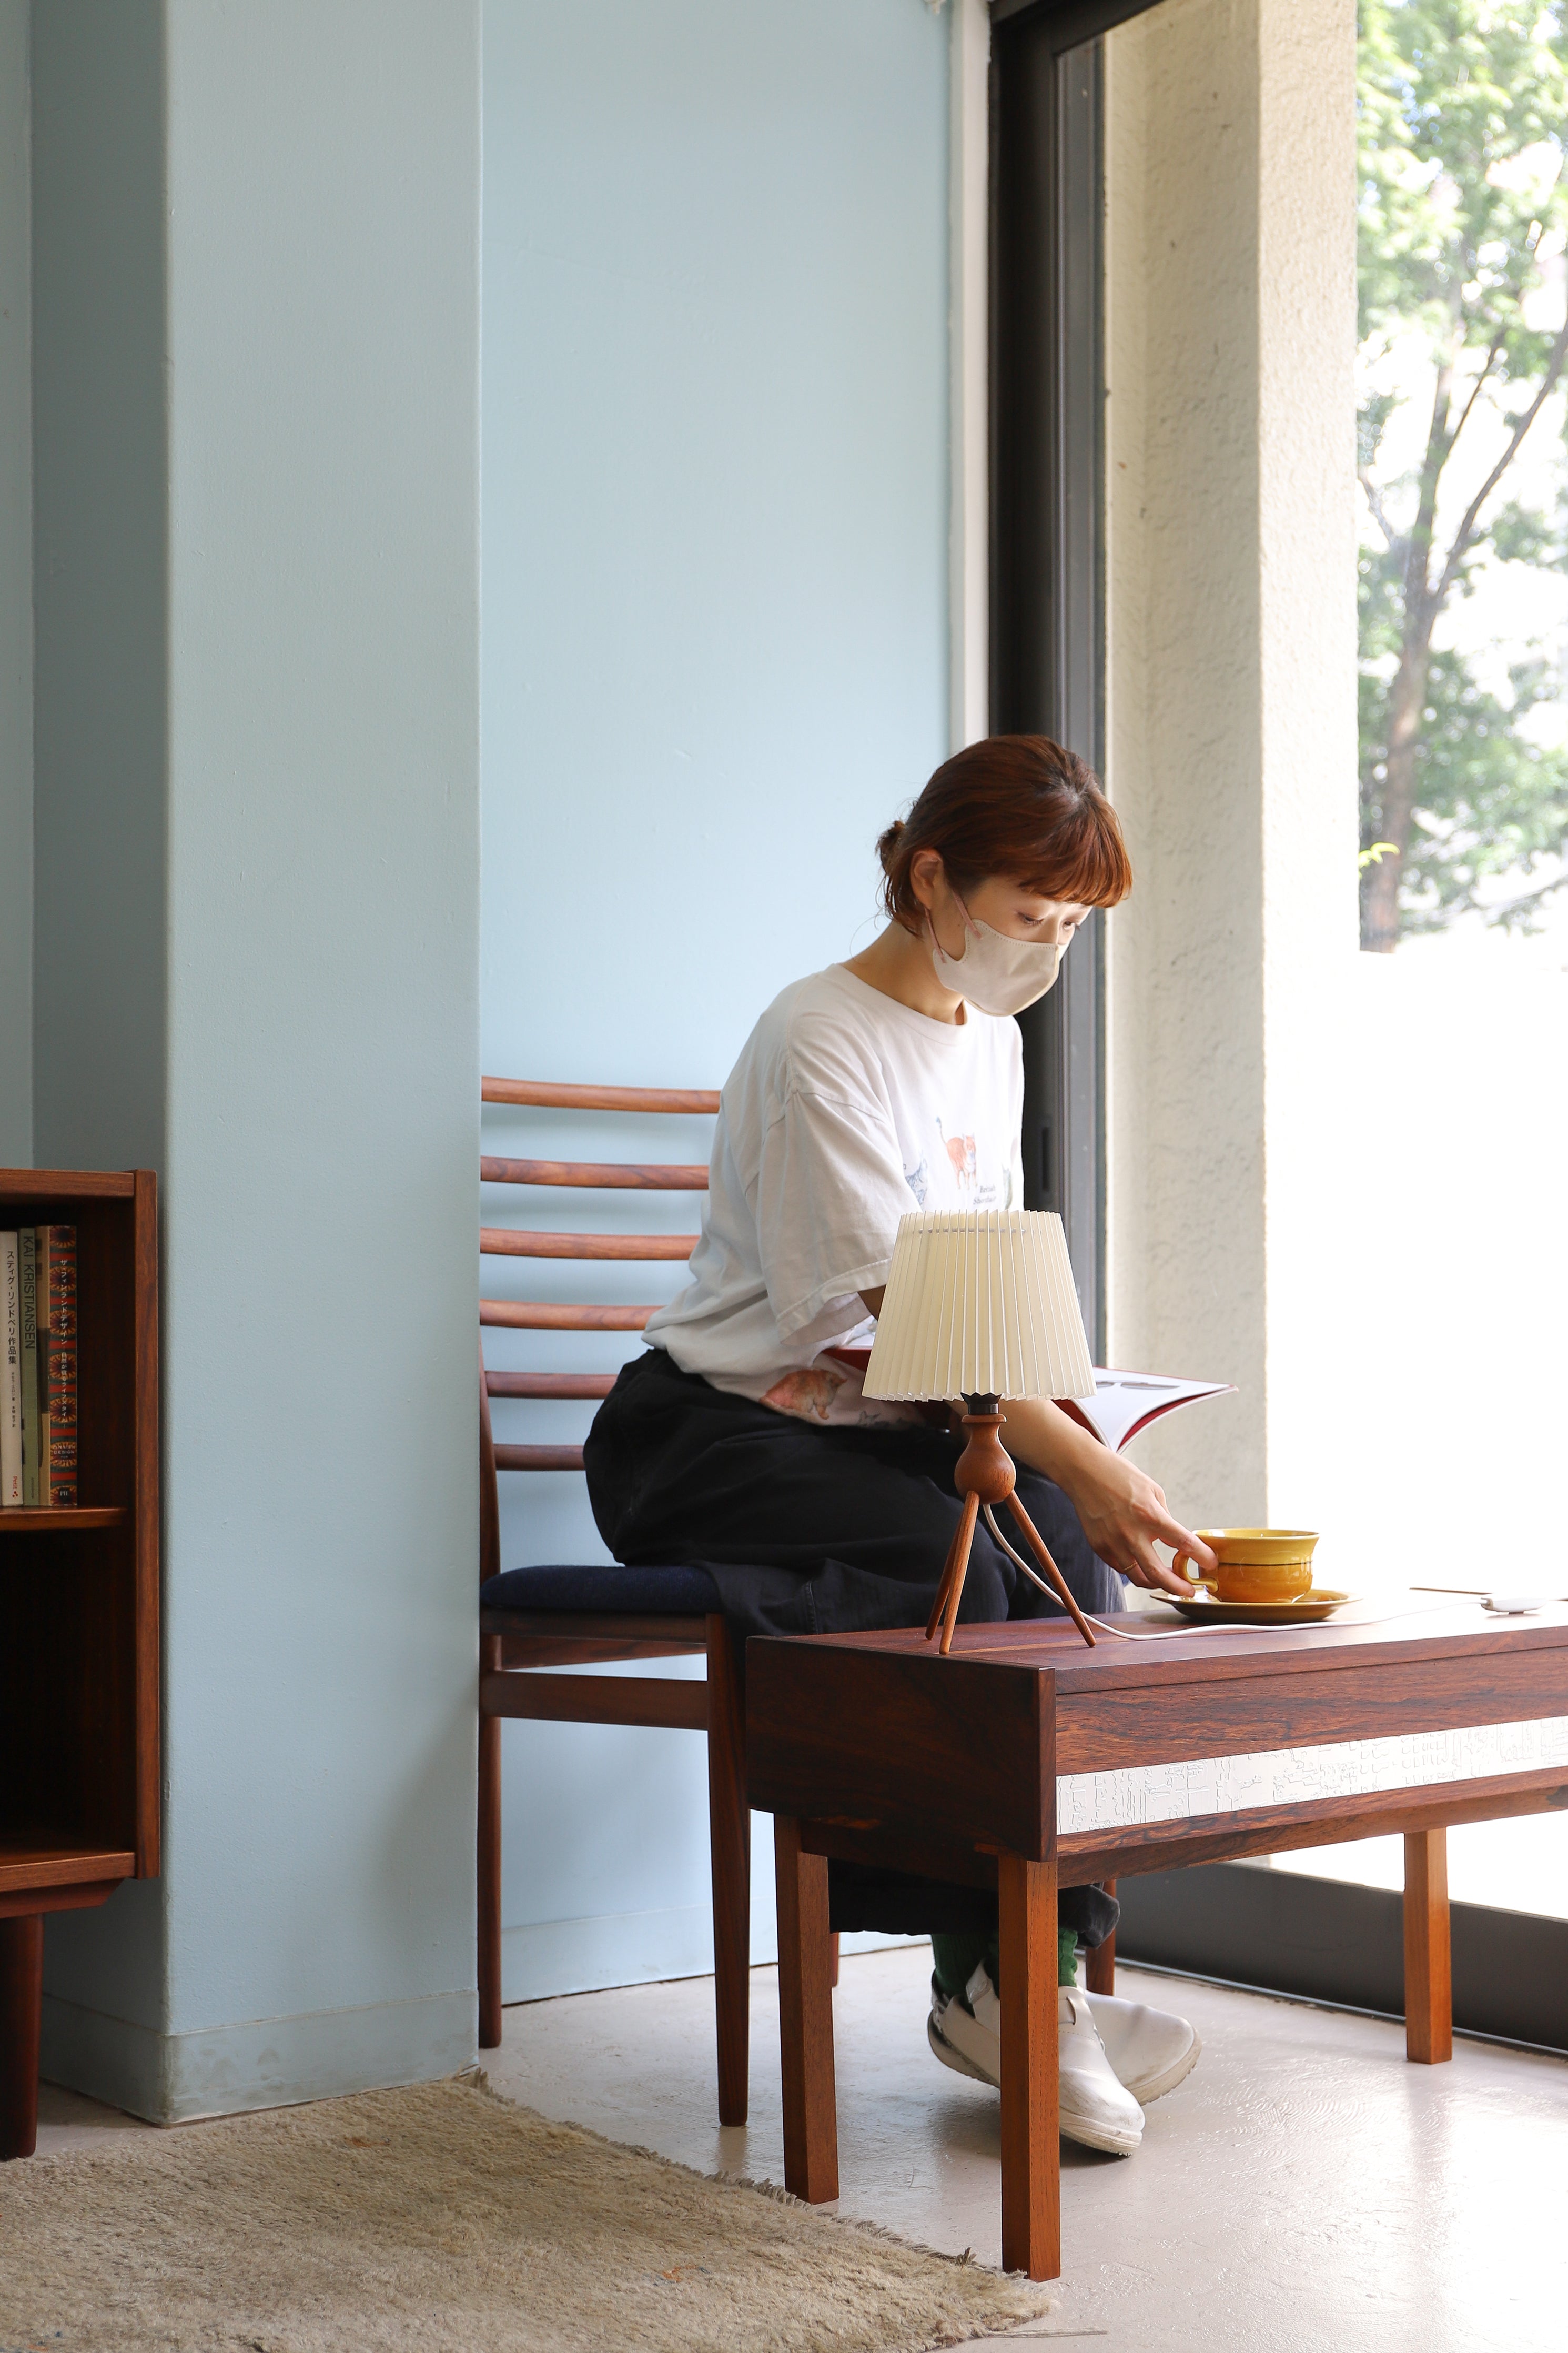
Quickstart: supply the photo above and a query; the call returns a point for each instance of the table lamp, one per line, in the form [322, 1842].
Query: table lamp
[980, 1304]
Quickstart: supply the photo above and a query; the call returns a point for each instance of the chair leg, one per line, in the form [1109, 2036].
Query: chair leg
[1100, 1969]
[729, 1840]
[806, 2019]
[21, 2008]
[1031, 2158]
[489, 1858]
[834, 1959]
[1428, 1974]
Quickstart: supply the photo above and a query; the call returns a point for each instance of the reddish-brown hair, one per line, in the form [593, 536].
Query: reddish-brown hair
[1013, 805]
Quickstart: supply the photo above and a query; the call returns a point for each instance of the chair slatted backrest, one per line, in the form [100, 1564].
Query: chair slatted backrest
[514, 1242]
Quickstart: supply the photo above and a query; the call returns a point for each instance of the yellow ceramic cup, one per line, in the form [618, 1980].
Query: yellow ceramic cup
[1257, 1564]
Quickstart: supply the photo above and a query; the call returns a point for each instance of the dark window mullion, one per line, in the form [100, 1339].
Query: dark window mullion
[1047, 597]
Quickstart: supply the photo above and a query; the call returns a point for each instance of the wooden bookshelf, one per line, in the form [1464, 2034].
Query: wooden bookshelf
[53, 1521]
[80, 1742]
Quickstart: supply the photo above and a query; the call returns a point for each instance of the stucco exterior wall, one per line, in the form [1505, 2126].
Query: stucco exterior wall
[1231, 703]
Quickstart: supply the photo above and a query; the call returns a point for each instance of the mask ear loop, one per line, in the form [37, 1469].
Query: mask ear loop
[970, 928]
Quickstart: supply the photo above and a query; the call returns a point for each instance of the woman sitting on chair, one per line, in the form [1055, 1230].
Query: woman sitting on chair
[740, 1443]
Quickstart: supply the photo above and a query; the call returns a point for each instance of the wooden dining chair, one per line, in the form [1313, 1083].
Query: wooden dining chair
[563, 1615]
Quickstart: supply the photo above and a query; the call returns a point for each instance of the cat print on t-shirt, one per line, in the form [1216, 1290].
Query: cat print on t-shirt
[960, 1153]
[966, 1178]
[962, 1179]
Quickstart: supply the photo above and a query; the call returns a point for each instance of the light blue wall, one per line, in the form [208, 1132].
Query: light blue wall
[715, 650]
[258, 885]
[16, 600]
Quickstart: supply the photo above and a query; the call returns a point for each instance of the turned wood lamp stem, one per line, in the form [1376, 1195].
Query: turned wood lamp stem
[984, 1475]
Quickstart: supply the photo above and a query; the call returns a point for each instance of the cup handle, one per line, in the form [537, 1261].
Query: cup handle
[1180, 1563]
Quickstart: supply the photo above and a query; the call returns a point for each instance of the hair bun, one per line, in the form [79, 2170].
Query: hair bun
[888, 843]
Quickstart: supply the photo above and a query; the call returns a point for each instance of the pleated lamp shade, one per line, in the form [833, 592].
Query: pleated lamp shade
[980, 1303]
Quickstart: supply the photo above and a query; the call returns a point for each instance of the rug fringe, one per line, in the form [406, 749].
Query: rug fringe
[476, 2079]
[766, 2188]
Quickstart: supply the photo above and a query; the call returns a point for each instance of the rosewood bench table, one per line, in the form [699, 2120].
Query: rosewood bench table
[1026, 1762]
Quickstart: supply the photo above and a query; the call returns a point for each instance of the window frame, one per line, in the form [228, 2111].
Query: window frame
[1047, 595]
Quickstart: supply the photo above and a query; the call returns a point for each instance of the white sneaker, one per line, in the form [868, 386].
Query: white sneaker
[969, 2045]
[1150, 2051]
[1096, 2109]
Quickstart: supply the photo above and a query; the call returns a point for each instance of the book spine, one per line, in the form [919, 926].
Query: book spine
[27, 1242]
[41, 1253]
[10, 1372]
[61, 1467]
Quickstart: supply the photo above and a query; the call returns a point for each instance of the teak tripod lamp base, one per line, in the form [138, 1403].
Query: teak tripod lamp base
[985, 1475]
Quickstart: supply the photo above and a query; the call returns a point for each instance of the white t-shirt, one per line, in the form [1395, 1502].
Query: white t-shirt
[845, 1111]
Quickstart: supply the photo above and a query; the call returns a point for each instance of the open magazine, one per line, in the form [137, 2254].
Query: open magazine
[1122, 1404]
[1125, 1403]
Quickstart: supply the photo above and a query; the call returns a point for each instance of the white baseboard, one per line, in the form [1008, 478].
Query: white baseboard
[265, 2063]
[273, 2062]
[615, 1949]
[618, 1949]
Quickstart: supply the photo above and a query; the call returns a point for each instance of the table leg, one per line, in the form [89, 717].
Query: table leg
[1100, 1969]
[1428, 1976]
[806, 2017]
[1031, 2158]
[21, 2009]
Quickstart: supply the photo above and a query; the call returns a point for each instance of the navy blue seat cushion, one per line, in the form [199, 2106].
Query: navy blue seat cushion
[634, 1593]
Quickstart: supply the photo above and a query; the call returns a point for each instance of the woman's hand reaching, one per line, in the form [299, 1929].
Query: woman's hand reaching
[1122, 1511]
[1125, 1518]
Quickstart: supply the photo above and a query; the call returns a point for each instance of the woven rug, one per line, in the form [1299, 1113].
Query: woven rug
[446, 2217]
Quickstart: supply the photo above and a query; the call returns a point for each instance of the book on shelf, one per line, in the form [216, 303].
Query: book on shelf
[56, 1295]
[27, 1240]
[10, 1370]
[39, 1375]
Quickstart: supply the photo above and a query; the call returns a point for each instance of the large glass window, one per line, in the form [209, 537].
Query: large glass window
[1460, 1088]
[1452, 1119]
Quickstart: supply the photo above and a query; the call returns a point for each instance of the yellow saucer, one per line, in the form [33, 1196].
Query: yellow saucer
[1308, 1610]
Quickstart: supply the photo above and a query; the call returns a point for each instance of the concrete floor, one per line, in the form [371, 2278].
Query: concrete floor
[1304, 2191]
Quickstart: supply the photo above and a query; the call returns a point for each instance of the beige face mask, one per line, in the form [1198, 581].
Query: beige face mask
[995, 973]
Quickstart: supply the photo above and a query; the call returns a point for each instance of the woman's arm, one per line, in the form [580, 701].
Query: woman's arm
[1122, 1511]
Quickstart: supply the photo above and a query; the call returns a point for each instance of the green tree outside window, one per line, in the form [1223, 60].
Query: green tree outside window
[1463, 218]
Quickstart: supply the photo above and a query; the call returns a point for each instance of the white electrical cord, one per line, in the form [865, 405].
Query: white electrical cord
[1120, 1633]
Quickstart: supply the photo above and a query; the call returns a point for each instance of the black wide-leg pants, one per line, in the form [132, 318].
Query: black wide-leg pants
[811, 1530]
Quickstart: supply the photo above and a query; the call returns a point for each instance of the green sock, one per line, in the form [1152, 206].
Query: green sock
[954, 1960]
